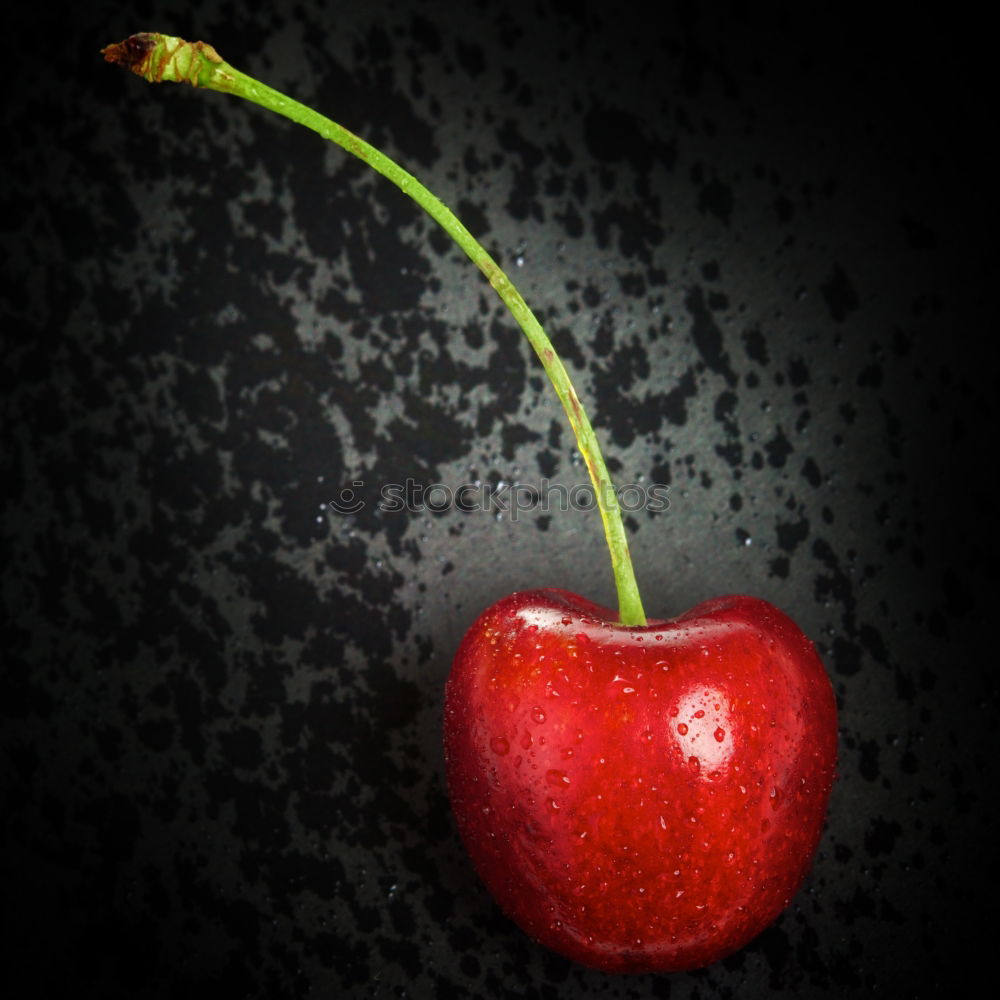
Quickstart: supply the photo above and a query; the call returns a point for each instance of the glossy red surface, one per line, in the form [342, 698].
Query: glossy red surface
[639, 799]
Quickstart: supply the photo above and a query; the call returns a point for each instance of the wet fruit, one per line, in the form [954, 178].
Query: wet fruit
[645, 798]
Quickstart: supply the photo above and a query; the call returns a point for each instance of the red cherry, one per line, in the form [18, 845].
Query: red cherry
[639, 799]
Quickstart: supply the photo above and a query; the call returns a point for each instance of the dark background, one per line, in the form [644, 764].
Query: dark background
[763, 239]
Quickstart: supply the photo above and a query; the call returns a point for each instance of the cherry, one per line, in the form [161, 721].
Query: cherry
[639, 796]
[644, 798]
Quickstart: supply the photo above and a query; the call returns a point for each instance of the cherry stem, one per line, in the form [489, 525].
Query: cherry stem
[157, 57]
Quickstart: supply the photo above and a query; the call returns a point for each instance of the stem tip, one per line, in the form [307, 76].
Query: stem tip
[157, 57]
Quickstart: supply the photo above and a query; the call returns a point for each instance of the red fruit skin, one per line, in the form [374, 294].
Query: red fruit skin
[639, 799]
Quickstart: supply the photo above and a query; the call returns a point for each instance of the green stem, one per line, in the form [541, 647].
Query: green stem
[159, 57]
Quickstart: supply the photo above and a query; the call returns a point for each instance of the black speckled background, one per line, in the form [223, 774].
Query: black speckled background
[763, 239]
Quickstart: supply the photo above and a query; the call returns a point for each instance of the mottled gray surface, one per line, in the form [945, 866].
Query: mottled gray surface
[759, 239]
